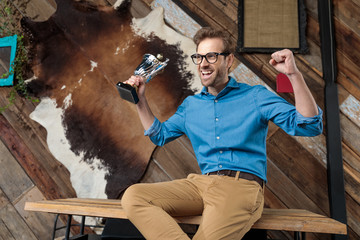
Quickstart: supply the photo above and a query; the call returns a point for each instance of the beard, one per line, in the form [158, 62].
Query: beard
[211, 77]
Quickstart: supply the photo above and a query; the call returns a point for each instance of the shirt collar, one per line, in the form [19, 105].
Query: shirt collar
[231, 84]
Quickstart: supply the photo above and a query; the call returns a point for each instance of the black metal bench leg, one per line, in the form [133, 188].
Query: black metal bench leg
[303, 235]
[55, 223]
[68, 225]
[82, 227]
[299, 235]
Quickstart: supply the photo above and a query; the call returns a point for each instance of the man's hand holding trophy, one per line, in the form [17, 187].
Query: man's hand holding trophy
[148, 68]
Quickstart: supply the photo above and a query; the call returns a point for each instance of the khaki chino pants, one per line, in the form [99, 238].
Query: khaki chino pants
[229, 206]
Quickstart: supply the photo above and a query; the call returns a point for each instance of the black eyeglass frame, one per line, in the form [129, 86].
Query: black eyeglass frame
[195, 55]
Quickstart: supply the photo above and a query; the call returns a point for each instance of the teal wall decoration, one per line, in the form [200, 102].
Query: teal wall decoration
[11, 43]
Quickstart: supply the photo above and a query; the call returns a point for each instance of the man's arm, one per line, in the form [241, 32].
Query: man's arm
[145, 114]
[284, 62]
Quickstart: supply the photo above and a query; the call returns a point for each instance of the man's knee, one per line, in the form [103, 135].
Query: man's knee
[130, 194]
[132, 197]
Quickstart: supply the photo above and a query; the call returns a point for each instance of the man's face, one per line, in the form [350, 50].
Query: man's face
[213, 75]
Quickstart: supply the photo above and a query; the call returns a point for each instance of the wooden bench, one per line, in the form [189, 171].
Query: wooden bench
[296, 220]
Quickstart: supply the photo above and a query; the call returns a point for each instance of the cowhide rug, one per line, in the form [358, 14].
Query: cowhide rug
[78, 56]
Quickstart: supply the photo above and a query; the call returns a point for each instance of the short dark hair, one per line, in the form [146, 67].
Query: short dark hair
[208, 32]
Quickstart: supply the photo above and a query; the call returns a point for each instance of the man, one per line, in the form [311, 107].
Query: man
[227, 125]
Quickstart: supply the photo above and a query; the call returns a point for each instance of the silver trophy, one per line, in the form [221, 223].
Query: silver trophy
[148, 68]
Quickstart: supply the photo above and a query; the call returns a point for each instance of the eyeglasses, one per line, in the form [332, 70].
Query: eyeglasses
[210, 57]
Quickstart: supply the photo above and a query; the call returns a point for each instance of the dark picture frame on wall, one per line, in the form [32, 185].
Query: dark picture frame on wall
[268, 26]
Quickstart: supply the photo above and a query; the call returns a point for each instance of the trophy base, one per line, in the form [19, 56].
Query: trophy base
[127, 92]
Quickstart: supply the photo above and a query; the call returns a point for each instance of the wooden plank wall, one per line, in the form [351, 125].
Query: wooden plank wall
[296, 166]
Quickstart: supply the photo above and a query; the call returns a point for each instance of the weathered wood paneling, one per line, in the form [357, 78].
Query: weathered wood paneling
[347, 11]
[26, 139]
[15, 224]
[13, 179]
[300, 167]
[177, 159]
[4, 231]
[347, 42]
[39, 10]
[350, 133]
[40, 223]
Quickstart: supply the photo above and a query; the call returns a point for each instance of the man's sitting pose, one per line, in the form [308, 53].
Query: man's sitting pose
[227, 124]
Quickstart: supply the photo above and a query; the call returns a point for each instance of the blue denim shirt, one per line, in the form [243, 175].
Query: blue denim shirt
[229, 131]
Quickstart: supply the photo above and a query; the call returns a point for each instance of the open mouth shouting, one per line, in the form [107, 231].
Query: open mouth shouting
[206, 74]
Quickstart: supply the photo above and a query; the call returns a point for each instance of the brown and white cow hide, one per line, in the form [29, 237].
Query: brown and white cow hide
[79, 54]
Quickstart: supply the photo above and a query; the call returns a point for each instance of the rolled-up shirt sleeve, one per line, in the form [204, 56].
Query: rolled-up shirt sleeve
[161, 133]
[285, 115]
[312, 125]
[308, 120]
[154, 128]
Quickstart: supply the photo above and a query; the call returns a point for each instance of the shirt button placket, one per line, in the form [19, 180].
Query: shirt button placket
[217, 131]
[217, 121]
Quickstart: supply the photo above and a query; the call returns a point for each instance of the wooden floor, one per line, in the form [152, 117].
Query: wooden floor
[296, 166]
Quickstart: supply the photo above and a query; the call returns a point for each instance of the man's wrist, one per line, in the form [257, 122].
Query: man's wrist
[295, 75]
